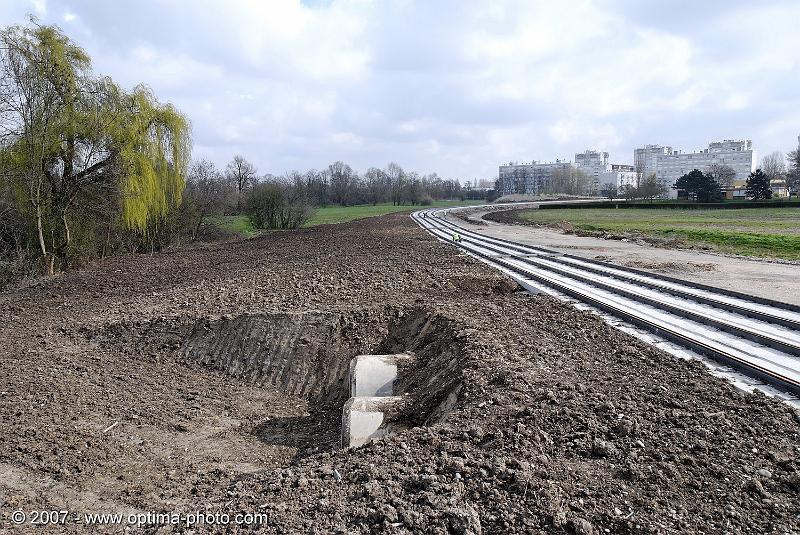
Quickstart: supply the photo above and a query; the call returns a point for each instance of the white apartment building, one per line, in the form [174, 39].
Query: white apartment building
[668, 165]
[531, 178]
[619, 176]
[596, 165]
[592, 162]
[528, 178]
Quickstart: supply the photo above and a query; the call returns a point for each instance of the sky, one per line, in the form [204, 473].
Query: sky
[454, 87]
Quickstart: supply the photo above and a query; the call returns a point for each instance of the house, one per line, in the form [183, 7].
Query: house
[779, 189]
[737, 190]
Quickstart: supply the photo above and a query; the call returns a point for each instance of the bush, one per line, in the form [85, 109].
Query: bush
[270, 205]
[426, 200]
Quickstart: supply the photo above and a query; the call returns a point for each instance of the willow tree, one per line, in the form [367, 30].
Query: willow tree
[65, 131]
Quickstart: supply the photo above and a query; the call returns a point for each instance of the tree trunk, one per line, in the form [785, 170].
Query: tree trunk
[67, 233]
[47, 258]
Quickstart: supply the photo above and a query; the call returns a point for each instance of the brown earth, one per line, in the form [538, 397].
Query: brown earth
[211, 378]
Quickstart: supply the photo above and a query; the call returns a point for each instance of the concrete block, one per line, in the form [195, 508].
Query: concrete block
[363, 418]
[374, 375]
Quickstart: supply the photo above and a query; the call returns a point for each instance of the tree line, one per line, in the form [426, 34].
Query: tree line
[286, 201]
[565, 180]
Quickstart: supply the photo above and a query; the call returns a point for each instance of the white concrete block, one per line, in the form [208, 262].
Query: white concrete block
[374, 375]
[363, 419]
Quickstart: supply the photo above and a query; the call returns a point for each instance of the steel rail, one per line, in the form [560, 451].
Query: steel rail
[781, 316]
[698, 285]
[755, 333]
[708, 347]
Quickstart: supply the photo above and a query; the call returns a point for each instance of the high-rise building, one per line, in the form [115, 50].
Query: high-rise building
[602, 173]
[535, 178]
[592, 162]
[669, 165]
[619, 176]
[529, 178]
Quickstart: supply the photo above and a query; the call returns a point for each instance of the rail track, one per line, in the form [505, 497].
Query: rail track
[758, 337]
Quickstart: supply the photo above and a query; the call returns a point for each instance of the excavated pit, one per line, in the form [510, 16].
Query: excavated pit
[307, 355]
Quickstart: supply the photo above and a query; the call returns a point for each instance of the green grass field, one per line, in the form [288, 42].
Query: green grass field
[762, 232]
[240, 224]
[343, 214]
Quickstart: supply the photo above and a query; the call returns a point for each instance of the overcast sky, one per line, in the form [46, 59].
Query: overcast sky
[455, 87]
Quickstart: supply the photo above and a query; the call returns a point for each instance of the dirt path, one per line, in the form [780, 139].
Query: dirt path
[210, 379]
[773, 280]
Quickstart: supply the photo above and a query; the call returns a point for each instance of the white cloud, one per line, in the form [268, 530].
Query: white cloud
[453, 86]
[39, 7]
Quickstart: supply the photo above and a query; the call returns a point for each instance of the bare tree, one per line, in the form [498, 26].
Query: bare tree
[207, 193]
[773, 166]
[568, 180]
[376, 185]
[396, 178]
[793, 173]
[609, 190]
[342, 180]
[242, 174]
[723, 174]
[628, 191]
[317, 186]
[650, 188]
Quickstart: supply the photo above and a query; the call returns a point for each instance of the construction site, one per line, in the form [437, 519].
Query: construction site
[213, 379]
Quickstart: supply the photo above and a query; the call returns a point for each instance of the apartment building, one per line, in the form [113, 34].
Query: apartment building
[603, 174]
[592, 162]
[533, 178]
[668, 165]
[620, 176]
[529, 178]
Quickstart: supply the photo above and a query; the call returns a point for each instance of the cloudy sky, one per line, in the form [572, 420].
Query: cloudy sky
[455, 87]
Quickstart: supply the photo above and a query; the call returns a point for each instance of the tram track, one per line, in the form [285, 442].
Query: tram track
[758, 337]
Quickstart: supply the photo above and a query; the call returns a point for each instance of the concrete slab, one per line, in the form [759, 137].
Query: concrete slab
[363, 419]
[374, 375]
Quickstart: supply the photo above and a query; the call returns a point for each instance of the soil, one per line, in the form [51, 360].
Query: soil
[665, 267]
[211, 379]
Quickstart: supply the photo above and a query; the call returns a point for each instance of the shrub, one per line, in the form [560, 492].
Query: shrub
[270, 205]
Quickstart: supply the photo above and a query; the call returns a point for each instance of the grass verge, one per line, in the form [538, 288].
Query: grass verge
[761, 232]
[239, 224]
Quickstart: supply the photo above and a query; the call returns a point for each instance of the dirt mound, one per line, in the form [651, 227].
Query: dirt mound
[432, 380]
[673, 267]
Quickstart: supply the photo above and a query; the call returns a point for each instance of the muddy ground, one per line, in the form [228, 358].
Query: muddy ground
[211, 378]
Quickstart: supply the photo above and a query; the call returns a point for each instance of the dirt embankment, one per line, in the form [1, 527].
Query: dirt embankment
[211, 379]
